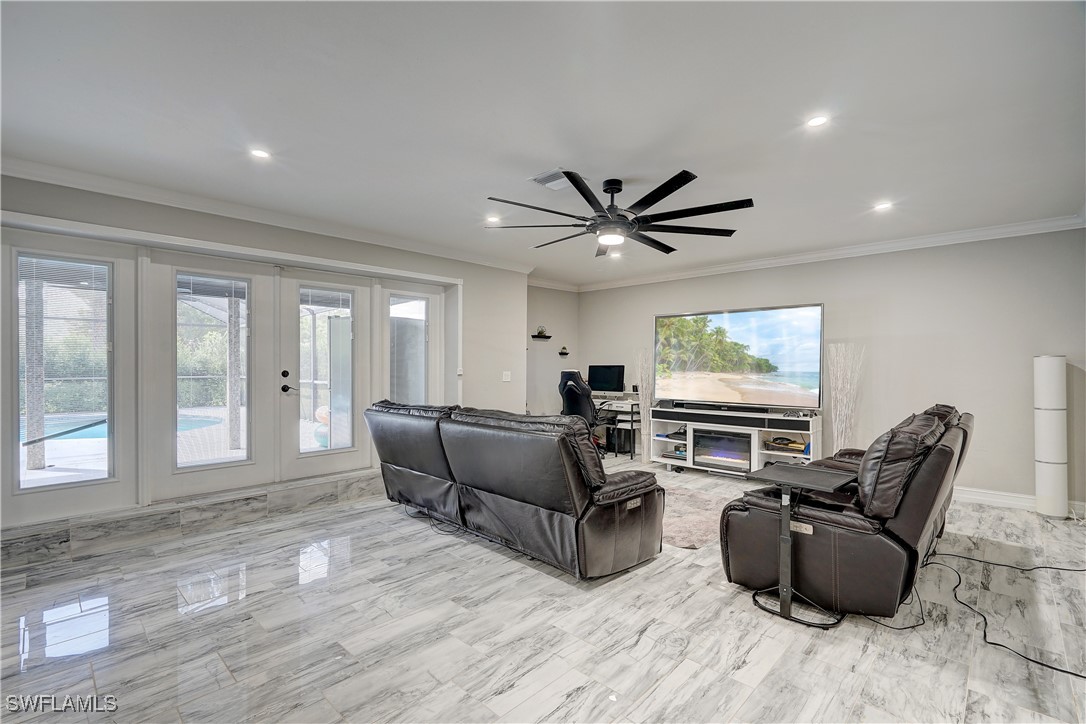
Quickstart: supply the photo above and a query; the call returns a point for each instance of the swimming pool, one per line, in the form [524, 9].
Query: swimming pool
[61, 423]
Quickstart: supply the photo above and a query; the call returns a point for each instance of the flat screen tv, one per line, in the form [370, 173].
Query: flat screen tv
[754, 357]
[607, 378]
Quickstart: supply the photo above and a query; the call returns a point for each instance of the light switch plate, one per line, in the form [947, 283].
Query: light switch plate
[507, 376]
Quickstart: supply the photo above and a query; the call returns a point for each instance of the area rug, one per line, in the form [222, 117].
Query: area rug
[691, 519]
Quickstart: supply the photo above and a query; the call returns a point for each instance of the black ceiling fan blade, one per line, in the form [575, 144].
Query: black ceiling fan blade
[601, 250]
[693, 211]
[579, 233]
[536, 226]
[649, 241]
[661, 192]
[538, 208]
[582, 188]
[668, 229]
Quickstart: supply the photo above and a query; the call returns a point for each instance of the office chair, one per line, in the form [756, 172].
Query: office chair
[577, 397]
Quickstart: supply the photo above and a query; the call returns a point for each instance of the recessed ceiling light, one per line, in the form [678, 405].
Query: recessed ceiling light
[884, 205]
[615, 255]
[259, 153]
[817, 121]
[492, 219]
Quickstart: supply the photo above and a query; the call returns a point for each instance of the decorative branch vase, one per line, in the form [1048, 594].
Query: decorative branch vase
[645, 374]
[845, 363]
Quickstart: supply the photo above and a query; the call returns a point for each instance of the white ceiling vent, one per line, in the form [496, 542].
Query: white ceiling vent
[553, 180]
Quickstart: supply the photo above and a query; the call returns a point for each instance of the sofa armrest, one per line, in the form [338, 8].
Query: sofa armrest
[627, 484]
[849, 454]
[846, 517]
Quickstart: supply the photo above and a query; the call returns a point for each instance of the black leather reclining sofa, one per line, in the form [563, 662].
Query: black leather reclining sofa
[534, 484]
[865, 543]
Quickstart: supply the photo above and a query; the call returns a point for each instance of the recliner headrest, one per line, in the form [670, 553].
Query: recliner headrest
[947, 413]
[892, 460]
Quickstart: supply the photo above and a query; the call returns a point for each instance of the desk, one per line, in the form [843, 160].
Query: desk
[787, 476]
[627, 417]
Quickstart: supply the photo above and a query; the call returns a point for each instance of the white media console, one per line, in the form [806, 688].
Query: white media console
[726, 441]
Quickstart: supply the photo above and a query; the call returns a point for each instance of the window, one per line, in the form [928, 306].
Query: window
[408, 346]
[212, 422]
[325, 341]
[65, 342]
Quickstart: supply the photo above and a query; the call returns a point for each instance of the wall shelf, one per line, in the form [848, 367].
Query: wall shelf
[541, 336]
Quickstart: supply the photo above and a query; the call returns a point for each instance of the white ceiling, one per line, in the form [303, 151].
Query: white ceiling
[399, 119]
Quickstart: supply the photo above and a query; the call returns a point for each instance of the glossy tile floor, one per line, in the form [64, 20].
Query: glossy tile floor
[361, 613]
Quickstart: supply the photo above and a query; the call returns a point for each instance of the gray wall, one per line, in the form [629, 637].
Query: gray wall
[492, 333]
[957, 324]
[558, 311]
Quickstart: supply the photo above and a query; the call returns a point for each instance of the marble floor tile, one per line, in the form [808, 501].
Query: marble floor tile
[123, 534]
[1019, 621]
[359, 612]
[936, 690]
[504, 684]
[1009, 680]
[983, 708]
[222, 516]
[572, 697]
[692, 693]
[620, 670]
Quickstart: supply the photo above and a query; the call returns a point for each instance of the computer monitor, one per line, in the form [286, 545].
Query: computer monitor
[607, 378]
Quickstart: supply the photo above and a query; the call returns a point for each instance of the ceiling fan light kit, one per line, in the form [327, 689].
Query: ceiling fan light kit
[612, 225]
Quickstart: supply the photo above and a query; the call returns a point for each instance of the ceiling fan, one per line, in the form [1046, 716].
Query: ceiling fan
[613, 225]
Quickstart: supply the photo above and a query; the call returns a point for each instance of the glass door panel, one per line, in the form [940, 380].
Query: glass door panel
[65, 342]
[325, 370]
[408, 339]
[212, 358]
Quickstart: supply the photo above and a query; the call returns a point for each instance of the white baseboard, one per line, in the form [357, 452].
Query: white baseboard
[1007, 500]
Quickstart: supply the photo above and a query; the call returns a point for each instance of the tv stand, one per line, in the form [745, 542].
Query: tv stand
[732, 442]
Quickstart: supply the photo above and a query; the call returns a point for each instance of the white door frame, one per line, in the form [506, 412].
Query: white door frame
[294, 463]
[119, 489]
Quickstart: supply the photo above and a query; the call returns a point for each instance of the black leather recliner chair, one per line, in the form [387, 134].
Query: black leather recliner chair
[867, 541]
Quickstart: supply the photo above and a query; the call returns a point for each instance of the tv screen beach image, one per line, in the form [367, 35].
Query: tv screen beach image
[765, 357]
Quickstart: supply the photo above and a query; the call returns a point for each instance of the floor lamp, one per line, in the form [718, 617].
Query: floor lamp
[1050, 434]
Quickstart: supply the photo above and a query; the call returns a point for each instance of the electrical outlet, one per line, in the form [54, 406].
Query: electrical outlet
[507, 376]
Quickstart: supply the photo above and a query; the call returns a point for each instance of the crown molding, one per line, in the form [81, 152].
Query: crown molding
[68, 227]
[552, 284]
[986, 233]
[34, 171]
[44, 173]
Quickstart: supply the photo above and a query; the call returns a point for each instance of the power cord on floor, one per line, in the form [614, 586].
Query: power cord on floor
[433, 524]
[1008, 565]
[984, 619]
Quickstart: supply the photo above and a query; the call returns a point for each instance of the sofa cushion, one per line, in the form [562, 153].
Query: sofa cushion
[407, 436]
[420, 410]
[890, 462]
[573, 426]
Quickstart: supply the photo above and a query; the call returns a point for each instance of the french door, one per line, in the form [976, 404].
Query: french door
[262, 370]
[324, 330]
